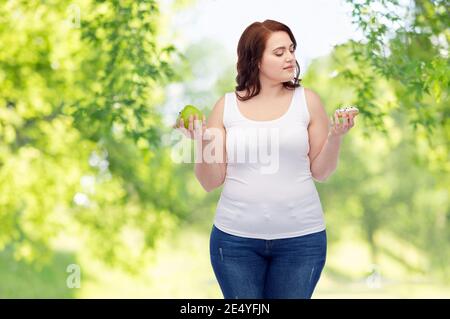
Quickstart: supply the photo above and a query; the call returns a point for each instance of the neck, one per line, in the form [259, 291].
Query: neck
[271, 89]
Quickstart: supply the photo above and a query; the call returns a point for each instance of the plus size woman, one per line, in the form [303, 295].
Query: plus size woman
[266, 143]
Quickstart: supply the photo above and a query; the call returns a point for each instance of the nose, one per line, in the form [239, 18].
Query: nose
[291, 56]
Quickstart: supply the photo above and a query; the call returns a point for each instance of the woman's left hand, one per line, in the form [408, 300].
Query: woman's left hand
[338, 129]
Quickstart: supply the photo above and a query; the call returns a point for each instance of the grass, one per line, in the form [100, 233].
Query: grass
[22, 280]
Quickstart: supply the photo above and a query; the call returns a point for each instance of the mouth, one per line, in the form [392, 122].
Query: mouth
[289, 67]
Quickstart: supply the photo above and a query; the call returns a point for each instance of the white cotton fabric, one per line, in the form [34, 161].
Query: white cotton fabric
[268, 192]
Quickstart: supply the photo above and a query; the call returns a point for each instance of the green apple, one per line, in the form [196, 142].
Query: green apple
[187, 111]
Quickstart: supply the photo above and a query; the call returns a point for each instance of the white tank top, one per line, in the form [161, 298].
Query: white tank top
[268, 192]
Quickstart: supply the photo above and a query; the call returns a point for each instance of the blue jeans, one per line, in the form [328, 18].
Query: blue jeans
[250, 268]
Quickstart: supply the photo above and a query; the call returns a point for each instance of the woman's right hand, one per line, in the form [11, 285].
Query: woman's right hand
[196, 128]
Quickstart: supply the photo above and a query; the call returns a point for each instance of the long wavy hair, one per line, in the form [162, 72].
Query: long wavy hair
[250, 50]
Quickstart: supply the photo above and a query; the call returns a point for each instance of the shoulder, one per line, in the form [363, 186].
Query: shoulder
[314, 104]
[312, 97]
[220, 103]
[215, 118]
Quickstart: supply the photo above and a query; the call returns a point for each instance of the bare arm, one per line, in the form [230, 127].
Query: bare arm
[324, 148]
[211, 170]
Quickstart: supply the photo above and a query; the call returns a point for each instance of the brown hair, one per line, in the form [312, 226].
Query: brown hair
[250, 50]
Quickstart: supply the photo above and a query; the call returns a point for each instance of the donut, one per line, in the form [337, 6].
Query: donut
[347, 110]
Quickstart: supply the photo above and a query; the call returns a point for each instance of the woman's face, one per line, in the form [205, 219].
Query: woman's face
[278, 54]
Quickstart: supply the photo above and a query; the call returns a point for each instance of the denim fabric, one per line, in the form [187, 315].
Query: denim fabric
[249, 268]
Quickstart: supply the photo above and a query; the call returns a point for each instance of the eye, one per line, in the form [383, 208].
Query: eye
[292, 51]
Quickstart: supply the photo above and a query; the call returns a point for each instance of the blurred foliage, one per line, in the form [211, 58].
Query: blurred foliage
[407, 42]
[401, 158]
[79, 131]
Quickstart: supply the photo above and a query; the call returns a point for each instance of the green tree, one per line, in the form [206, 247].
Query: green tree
[382, 188]
[80, 132]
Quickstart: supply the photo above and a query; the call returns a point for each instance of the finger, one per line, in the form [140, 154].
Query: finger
[197, 123]
[336, 119]
[198, 126]
[191, 124]
[182, 130]
[180, 126]
[203, 123]
[345, 121]
[352, 123]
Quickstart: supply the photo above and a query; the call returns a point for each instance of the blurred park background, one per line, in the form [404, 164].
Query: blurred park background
[89, 91]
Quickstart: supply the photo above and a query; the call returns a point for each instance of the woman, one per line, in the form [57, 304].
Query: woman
[268, 239]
